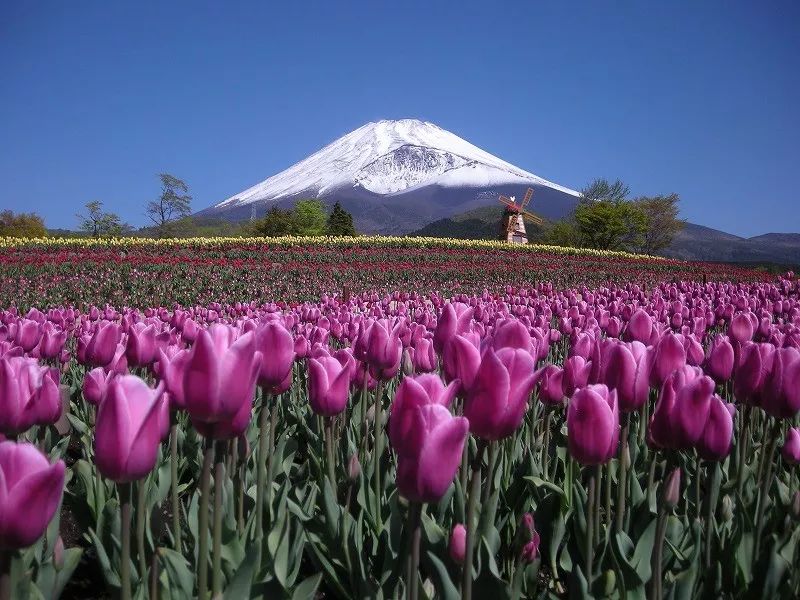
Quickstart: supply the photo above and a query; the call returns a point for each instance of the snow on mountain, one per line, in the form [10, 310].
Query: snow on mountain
[389, 157]
[395, 176]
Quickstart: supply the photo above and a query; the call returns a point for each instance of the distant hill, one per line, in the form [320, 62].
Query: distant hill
[477, 224]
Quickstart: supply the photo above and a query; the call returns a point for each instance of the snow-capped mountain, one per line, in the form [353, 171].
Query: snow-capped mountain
[395, 176]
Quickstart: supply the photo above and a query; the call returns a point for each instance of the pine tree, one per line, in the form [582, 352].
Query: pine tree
[340, 222]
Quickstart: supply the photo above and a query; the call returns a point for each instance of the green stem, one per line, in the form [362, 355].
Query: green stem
[414, 519]
[590, 517]
[173, 470]
[597, 502]
[655, 561]
[516, 581]
[474, 494]
[710, 513]
[329, 451]
[486, 491]
[125, 567]
[216, 552]
[202, 529]
[378, 451]
[154, 595]
[261, 459]
[742, 456]
[766, 484]
[364, 432]
[623, 474]
[273, 423]
[140, 522]
[5, 575]
[545, 462]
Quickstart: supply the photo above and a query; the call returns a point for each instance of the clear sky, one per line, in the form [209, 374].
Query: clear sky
[698, 98]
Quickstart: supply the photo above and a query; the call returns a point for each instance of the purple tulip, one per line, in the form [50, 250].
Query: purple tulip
[495, 404]
[576, 374]
[52, 342]
[141, 347]
[328, 385]
[425, 473]
[748, 377]
[512, 334]
[741, 328]
[276, 346]
[412, 393]
[229, 429]
[129, 429]
[593, 425]
[170, 370]
[669, 355]
[461, 360]
[28, 334]
[550, 384]
[30, 494]
[720, 359]
[640, 327]
[682, 410]
[628, 372]
[95, 385]
[780, 394]
[220, 374]
[791, 446]
[423, 359]
[29, 395]
[102, 345]
[717, 438]
[458, 543]
[455, 319]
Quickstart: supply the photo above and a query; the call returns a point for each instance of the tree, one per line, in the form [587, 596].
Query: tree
[601, 189]
[98, 223]
[562, 233]
[174, 203]
[340, 222]
[609, 224]
[28, 225]
[275, 223]
[661, 222]
[309, 217]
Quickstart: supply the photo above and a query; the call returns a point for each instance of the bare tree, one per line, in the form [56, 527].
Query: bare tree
[661, 222]
[174, 203]
[98, 223]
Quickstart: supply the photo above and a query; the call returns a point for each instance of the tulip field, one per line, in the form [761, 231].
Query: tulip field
[394, 418]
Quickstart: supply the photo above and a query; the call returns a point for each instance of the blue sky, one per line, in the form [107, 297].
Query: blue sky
[698, 98]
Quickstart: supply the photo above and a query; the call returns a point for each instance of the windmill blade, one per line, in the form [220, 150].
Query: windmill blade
[535, 219]
[505, 199]
[510, 205]
[528, 196]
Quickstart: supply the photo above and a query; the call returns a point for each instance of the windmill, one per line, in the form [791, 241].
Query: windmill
[514, 219]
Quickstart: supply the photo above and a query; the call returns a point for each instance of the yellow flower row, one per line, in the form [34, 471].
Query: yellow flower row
[332, 242]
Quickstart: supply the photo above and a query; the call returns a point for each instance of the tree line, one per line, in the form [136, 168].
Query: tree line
[606, 218]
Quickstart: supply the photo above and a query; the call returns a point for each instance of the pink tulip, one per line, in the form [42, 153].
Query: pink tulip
[129, 429]
[593, 425]
[461, 360]
[30, 494]
[791, 446]
[628, 372]
[170, 370]
[741, 328]
[102, 345]
[780, 395]
[28, 334]
[423, 358]
[550, 384]
[425, 474]
[95, 385]
[717, 437]
[276, 346]
[412, 393]
[455, 319]
[576, 374]
[720, 359]
[328, 385]
[52, 342]
[141, 347]
[29, 395]
[220, 374]
[640, 327]
[669, 355]
[682, 410]
[495, 404]
[458, 543]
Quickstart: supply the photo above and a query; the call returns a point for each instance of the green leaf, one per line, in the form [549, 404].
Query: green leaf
[179, 575]
[307, 589]
[242, 581]
[445, 588]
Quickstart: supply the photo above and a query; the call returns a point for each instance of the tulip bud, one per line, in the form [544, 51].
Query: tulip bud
[727, 508]
[354, 468]
[791, 446]
[58, 554]
[458, 543]
[671, 492]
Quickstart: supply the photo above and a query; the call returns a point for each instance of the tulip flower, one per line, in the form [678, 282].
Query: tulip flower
[512, 334]
[720, 359]
[669, 355]
[461, 360]
[170, 370]
[101, 347]
[412, 393]
[550, 384]
[717, 437]
[30, 493]
[129, 429]
[52, 341]
[276, 346]
[741, 328]
[576, 374]
[495, 404]
[28, 334]
[219, 375]
[628, 372]
[780, 395]
[593, 425]
[455, 319]
[29, 395]
[458, 543]
[95, 384]
[141, 347]
[425, 474]
[640, 327]
[328, 385]
[423, 359]
[791, 446]
[682, 410]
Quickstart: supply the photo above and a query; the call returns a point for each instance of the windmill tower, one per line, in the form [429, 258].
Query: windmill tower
[514, 218]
